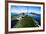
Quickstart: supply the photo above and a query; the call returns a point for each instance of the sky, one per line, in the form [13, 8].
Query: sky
[25, 9]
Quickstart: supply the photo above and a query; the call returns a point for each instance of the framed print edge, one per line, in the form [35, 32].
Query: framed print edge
[6, 16]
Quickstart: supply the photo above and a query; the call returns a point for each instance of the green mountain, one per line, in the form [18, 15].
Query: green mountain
[26, 21]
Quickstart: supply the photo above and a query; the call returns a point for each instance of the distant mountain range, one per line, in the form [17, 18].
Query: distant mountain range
[14, 14]
[34, 13]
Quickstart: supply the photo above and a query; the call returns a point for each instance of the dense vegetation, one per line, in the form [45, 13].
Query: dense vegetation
[26, 21]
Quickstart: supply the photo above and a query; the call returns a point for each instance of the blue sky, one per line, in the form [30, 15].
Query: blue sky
[24, 9]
